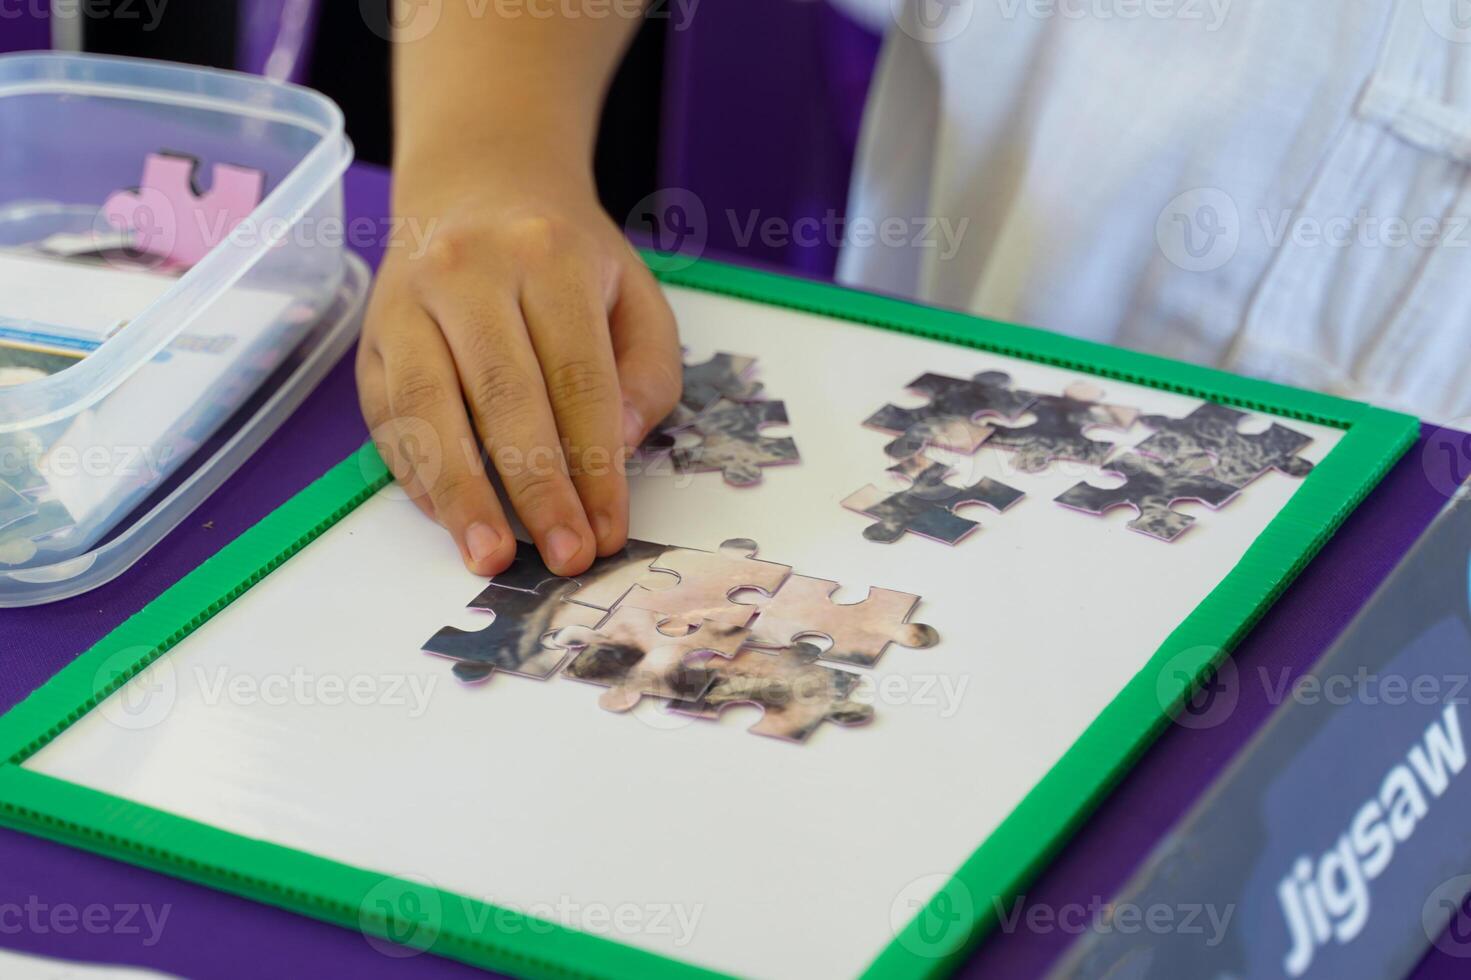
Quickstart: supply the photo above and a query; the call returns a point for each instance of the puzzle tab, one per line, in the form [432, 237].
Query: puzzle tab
[1152, 488]
[602, 586]
[1214, 431]
[519, 640]
[859, 631]
[1059, 429]
[794, 692]
[951, 418]
[707, 580]
[724, 376]
[171, 218]
[927, 507]
[638, 652]
[732, 443]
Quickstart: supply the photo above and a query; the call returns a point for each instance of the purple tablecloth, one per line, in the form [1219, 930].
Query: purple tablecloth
[24, 27]
[210, 934]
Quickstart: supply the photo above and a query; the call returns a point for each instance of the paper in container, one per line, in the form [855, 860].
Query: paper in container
[114, 373]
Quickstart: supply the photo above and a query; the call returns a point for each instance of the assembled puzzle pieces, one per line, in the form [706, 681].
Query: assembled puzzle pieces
[859, 631]
[795, 693]
[1152, 488]
[706, 581]
[601, 586]
[639, 652]
[1059, 429]
[169, 215]
[926, 508]
[949, 421]
[520, 638]
[731, 442]
[1213, 430]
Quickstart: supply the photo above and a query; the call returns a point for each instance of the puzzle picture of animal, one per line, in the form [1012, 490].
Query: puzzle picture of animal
[699, 720]
[647, 621]
[795, 692]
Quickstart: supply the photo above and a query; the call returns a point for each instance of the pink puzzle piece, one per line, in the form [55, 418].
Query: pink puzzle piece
[171, 219]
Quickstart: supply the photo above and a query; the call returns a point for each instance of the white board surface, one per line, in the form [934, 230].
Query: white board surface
[728, 850]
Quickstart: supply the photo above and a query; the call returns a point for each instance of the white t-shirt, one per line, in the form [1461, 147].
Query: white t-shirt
[1276, 187]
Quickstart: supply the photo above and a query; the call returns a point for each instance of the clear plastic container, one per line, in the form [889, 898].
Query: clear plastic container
[173, 357]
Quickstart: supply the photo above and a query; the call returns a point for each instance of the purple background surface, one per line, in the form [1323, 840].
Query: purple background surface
[210, 934]
[21, 29]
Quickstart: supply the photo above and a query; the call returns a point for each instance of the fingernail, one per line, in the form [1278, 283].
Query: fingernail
[633, 426]
[481, 540]
[602, 527]
[563, 544]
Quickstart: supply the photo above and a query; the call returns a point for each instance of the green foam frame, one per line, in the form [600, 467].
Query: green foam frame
[936, 939]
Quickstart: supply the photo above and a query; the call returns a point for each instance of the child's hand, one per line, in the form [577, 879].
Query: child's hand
[527, 324]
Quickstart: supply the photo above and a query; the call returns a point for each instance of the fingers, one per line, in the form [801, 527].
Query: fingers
[398, 446]
[646, 349]
[411, 398]
[566, 318]
[502, 381]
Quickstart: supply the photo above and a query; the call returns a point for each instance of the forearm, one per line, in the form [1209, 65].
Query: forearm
[519, 84]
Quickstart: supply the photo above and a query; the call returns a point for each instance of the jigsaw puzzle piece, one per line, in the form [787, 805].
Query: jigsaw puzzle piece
[706, 580]
[1152, 488]
[1059, 429]
[519, 639]
[927, 507]
[601, 586]
[731, 442]
[637, 653]
[169, 215]
[859, 631]
[950, 419]
[1213, 430]
[795, 693]
[723, 376]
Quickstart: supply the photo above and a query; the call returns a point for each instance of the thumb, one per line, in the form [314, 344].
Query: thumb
[646, 350]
